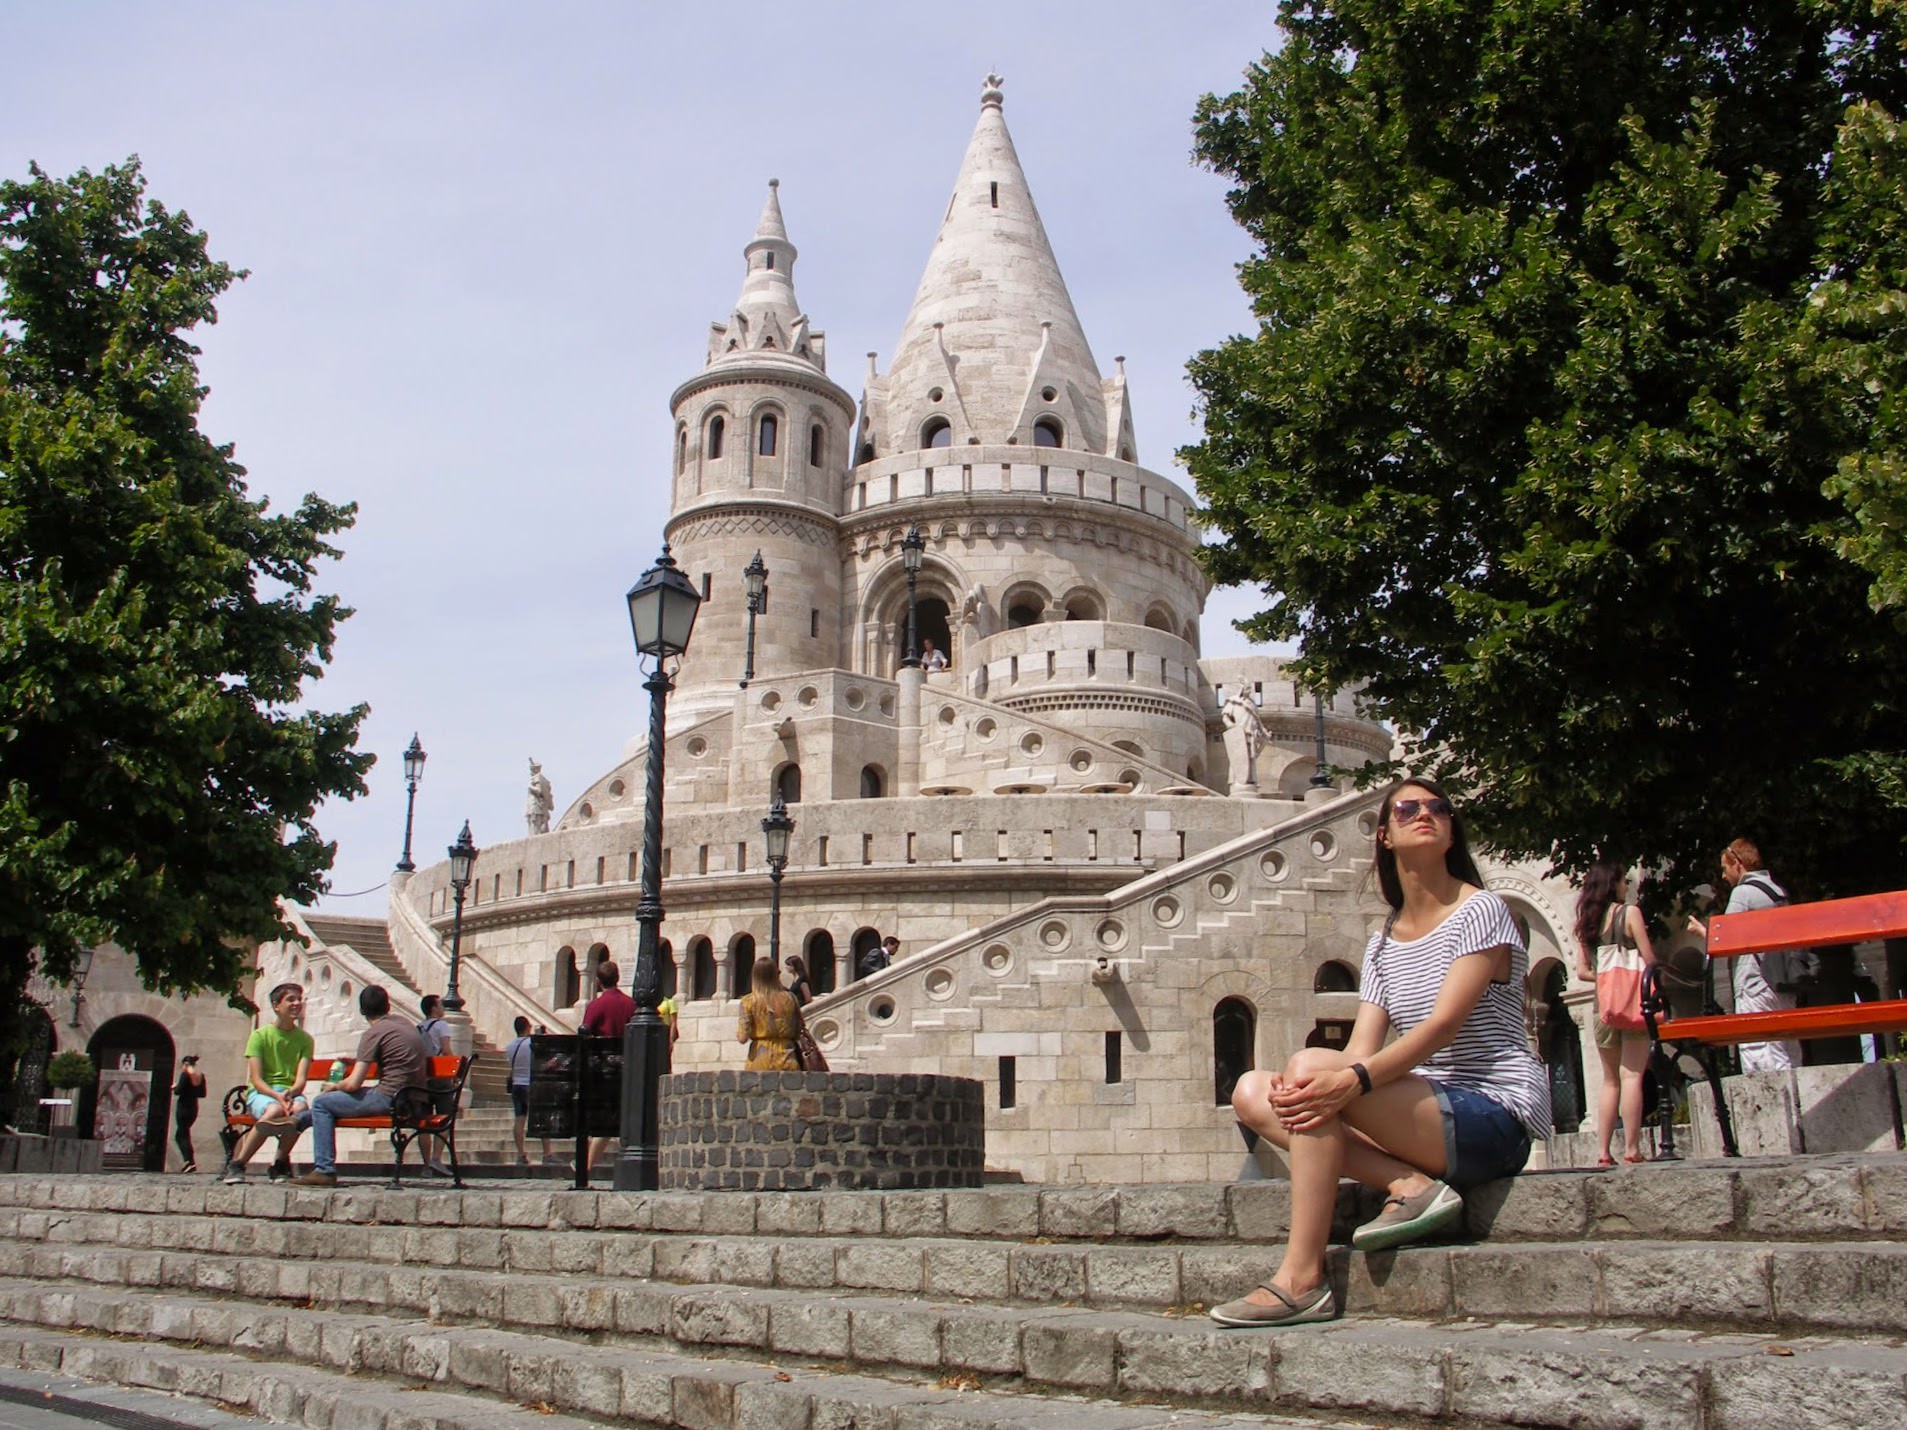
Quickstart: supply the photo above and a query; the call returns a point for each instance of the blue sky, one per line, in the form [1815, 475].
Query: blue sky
[486, 243]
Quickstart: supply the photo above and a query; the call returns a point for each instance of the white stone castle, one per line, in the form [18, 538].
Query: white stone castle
[1116, 881]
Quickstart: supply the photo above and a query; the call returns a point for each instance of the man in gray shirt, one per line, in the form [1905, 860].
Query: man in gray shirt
[401, 1055]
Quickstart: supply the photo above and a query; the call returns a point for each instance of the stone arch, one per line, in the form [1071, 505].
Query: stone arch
[786, 784]
[883, 612]
[597, 956]
[1049, 432]
[1234, 1043]
[1294, 778]
[1559, 1044]
[741, 963]
[714, 434]
[817, 951]
[936, 432]
[128, 1114]
[1159, 617]
[568, 989]
[665, 968]
[864, 939]
[1082, 603]
[1023, 603]
[873, 782]
[23, 1109]
[701, 969]
[1334, 976]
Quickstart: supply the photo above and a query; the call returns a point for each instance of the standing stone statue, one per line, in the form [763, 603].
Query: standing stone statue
[538, 801]
[1244, 737]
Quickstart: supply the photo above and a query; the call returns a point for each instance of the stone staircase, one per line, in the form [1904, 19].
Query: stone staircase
[370, 939]
[1702, 1295]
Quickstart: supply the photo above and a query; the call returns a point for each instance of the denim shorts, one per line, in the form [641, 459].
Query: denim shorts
[262, 1106]
[1482, 1140]
[520, 1099]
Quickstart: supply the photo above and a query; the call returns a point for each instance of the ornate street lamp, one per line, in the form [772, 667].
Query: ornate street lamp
[414, 759]
[463, 859]
[756, 575]
[1319, 778]
[775, 831]
[82, 966]
[911, 548]
[662, 607]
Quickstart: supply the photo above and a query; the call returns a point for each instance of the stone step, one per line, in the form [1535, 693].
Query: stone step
[390, 1373]
[604, 1360]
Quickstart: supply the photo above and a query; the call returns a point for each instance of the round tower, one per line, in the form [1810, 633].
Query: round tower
[761, 443]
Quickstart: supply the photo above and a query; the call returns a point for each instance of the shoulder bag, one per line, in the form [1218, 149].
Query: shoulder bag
[1619, 979]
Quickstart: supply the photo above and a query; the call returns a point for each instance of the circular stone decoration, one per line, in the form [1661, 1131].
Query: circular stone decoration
[1324, 845]
[1166, 912]
[617, 789]
[854, 698]
[588, 811]
[771, 702]
[1367, 824]
[985, 727]
[1031, 743]
[1223, 888]
[1275, 866]
[1081, 761]
[881, 1010]
[1111, 934]
[697, 747]
[887, 703]
[947, 715]
[940, 984]
[997, 960]
[1130, 777]
[808, 696]
[1055, 935]
[827, 1032]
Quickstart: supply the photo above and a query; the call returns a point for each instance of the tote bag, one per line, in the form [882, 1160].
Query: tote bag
[1619, 980]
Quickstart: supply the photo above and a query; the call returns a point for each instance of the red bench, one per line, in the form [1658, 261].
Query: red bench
[428, 1111]
[1831, 921]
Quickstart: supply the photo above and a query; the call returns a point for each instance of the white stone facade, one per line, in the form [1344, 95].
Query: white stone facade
[1099, 906]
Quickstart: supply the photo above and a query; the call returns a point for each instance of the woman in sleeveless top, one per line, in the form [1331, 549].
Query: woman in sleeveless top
[770, 1021]
[798, 982]
[1604, 915]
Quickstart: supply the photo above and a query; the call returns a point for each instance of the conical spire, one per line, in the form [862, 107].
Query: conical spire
[992, 330]
[767, 318]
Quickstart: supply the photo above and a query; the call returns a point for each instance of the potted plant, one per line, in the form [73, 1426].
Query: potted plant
[68, 1072]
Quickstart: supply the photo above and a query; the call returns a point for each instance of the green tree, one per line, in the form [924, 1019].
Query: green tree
[1533, 435]
[156, 624]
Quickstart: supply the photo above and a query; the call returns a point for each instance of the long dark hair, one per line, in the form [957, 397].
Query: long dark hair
[1592, 906]
[1456, 858]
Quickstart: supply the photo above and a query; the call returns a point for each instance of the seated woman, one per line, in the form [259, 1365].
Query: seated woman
[1453, 1100]
[770, 1021]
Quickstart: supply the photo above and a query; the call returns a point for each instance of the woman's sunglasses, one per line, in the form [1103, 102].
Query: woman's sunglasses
[1405, 810]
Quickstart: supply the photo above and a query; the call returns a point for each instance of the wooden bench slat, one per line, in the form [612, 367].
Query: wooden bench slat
[1855, 920]
[1839, 1020]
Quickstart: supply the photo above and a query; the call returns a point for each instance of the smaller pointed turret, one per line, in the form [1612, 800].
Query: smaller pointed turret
[767, 318]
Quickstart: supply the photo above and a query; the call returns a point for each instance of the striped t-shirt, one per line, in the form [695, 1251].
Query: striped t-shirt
[1491, 1052]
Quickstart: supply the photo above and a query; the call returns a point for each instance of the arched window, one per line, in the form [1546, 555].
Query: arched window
[741, 964]
[1021, 614]
[665, 967]
[770, 430]
[1234, 1033]
[864, 941]
[701, 969]
[818, 952]
[1082, 607]
[598, 955]
[788, 784]
[871, 783]
[867, 453]
[817, 445]
[938, 432]
[1159, 619]
[1046, 433]
[569, 983]
[681, 450]
[717, 426]
[1334, 977]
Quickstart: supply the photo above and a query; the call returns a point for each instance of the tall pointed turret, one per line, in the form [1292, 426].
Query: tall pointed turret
[992, 352]
[766, 317]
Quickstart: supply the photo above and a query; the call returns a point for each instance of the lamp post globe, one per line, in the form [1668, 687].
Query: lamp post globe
[662, 608]
[463, 860]
[775, 831]
[414, 758]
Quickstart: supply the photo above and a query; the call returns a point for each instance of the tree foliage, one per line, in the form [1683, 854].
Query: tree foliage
[157, 784]
[1572, 424]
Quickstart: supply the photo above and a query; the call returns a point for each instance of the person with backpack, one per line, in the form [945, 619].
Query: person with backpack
[1764, 982]
[435, 1031]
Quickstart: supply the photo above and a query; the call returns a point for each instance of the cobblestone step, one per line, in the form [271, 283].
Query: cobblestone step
[1461, 1372]
[383, 1373]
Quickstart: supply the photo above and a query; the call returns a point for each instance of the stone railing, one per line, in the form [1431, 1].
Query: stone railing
[1018, 471]
[492, 1000]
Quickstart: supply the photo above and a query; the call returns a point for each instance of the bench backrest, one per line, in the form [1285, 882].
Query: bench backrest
[443, 1065]
[1868, 916]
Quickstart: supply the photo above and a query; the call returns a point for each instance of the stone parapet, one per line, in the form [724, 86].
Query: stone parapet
[802, 1131]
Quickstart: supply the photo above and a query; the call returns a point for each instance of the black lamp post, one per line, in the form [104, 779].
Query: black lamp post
[775, 831]
[756, 575]
[912, 545]
[1319, 779]
[82, 967]
[414, 759]
[662, 607]
[463, 858]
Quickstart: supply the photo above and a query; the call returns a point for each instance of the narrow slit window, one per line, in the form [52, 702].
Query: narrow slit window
[1114, 1059]
[1009, 1093]
[994, 193]
[770, 432]
[814, 623]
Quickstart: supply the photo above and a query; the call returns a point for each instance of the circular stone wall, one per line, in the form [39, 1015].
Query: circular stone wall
[800, 1131]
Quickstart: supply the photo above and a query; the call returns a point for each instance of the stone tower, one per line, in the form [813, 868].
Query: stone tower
[761, 441]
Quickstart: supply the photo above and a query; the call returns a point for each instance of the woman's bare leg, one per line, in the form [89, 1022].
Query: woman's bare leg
[1635, 1058]
[1606, 1095]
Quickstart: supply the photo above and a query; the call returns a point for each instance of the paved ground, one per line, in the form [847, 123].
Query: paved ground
[30, 1401]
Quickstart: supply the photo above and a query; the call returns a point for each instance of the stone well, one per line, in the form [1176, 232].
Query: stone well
[810, 1131]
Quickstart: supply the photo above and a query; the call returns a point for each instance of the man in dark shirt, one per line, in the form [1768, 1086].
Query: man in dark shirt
[606, 1016]
[401, 1055]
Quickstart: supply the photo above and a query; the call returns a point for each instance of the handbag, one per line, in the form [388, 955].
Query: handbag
[807, 1051]
[1619, 980]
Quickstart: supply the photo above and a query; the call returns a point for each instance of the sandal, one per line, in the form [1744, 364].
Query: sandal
[1605, 1161]
[1635, 1160]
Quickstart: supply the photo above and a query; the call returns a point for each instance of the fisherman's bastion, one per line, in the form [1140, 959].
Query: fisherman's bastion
[1117, 875]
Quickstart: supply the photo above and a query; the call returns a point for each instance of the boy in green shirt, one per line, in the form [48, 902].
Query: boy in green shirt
[277, 1064]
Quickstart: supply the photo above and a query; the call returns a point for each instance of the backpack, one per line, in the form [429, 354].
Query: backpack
[1785, 968]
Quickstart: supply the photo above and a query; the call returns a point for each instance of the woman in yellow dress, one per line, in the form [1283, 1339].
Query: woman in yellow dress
[770, 1021]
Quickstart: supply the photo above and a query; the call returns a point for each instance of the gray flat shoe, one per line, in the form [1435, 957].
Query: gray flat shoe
[1409, 1218]
[1317, 1305]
